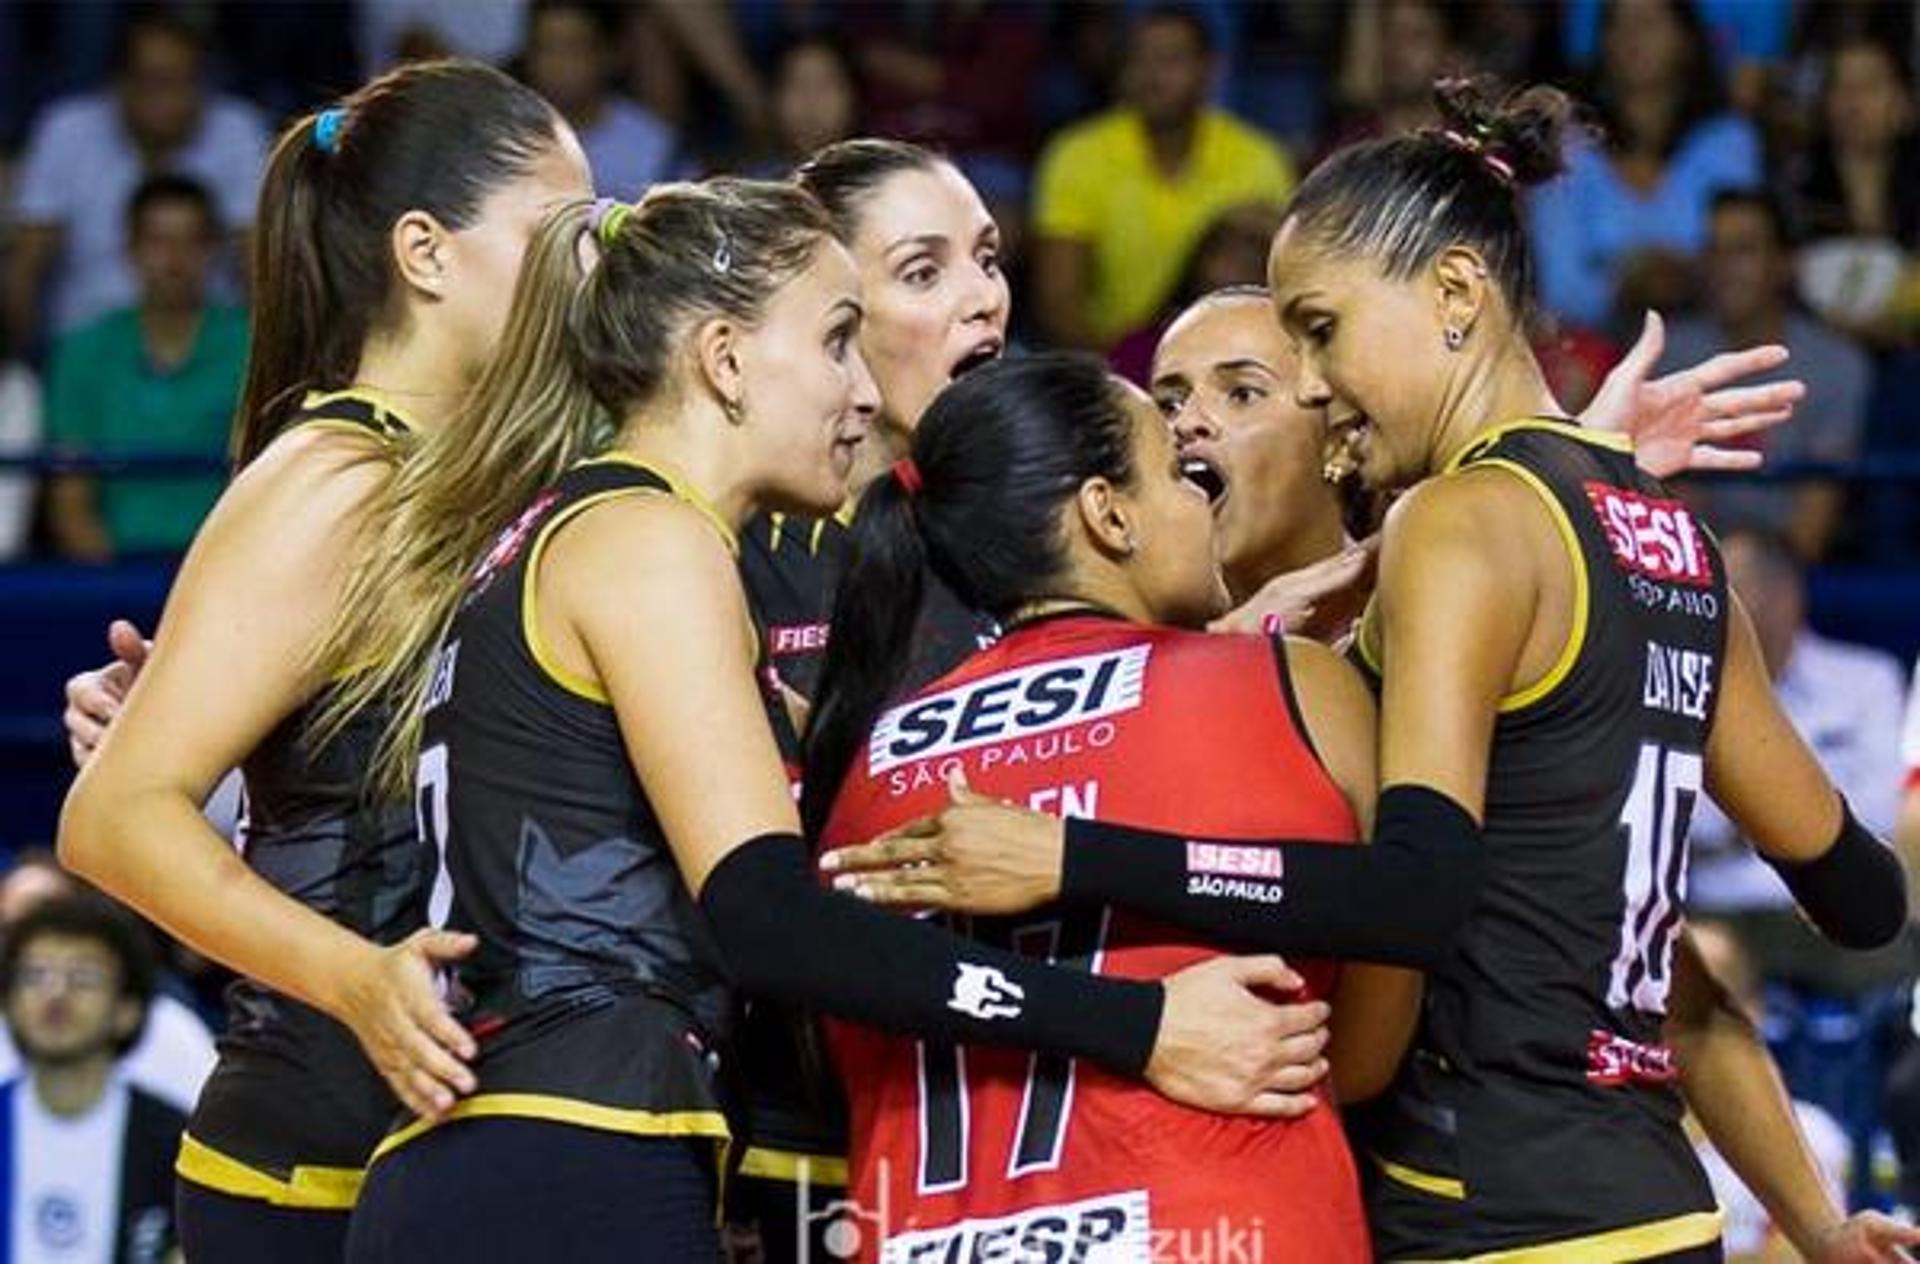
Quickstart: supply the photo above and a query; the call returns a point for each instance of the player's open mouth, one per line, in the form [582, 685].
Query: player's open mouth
[1207, 476]
[983, 353]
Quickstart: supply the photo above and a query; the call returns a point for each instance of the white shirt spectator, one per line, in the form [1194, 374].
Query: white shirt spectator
[172, 1060]
[19, 435]
[1910, 738]
[628, 150]
[66, 1200]
[80, 170]
[1748, 1226]
[1845, 701]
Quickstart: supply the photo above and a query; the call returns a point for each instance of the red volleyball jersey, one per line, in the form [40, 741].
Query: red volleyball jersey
[975, 1153]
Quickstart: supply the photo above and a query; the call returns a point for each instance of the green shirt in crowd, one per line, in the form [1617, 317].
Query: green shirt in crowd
[106, 398]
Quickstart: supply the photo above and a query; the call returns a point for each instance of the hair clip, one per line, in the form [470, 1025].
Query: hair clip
[1478, 147]
[326, 129]
[723, 256]
[909, 475]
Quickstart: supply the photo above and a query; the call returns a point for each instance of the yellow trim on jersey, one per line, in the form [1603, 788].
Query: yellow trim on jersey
[568, 1110]
[1635, 1242]
[681, 489]
[314, 1188]
[360, 394]
[788, 1166]
[1425, 1182]
[819, 530]
[1565, 429]
[572, 682]
[779, 522]
[1582, 598]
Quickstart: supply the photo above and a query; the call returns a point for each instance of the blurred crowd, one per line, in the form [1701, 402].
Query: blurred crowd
[1752, 170]
[1749, 171]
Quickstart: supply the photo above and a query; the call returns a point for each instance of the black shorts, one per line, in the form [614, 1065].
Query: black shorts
[527, 1189]
[217, 1228]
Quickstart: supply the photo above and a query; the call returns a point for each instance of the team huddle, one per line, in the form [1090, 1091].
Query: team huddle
[729, 753]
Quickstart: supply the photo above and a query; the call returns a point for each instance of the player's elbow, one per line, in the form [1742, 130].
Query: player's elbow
[1854, 892]
[85, 822]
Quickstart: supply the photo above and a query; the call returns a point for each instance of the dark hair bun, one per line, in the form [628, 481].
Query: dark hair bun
[1526, 130]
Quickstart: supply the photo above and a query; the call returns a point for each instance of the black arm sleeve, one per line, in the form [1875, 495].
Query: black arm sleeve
[1400, 900]
[783, 937]
[1855, 891]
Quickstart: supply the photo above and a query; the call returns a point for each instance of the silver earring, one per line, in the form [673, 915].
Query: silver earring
[1454, 336]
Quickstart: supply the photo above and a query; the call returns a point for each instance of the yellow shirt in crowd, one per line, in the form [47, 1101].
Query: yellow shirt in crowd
[1099, 185]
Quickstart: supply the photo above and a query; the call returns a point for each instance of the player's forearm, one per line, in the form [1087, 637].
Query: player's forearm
[156, 852]
[1731, 1084]
[1401, 900]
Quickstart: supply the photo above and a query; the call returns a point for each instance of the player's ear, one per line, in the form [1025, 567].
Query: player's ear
[1106, 518]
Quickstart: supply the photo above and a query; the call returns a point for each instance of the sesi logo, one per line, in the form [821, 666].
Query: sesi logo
[1659, 538]
[1010, 705]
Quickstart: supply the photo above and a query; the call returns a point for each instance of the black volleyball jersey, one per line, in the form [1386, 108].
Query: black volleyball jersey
[791, 567]
[596, 993]
[1538, 1109]
[293, 1110]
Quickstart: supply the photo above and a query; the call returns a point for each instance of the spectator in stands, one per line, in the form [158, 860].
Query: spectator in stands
[1749, 300]
[19, 436]
[817, 100]
[955, 75]
[1749, 1232]
[1233, 251]
[1617, 233]
[174, 1052]
[86, 156]
[571, 61]
[1856, 194]
[1122, 197]
[1395, 49]
[89, 1155]
[1844, 700]
[158, 378]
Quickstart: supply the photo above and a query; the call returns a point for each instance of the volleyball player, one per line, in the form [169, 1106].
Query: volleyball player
[390, 227]
[619, 873]
[1048, 493]
[1562, 661]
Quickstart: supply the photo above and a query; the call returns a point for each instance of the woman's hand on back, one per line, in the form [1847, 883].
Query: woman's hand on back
[390, 1000]
[1226, 1044]
[976, 855]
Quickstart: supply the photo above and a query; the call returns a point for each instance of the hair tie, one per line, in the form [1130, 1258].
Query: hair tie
[909, 475]
[606, 218]
[326, 129]
[1477, 146]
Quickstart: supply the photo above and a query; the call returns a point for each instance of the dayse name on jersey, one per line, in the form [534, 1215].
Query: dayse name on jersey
[1677, 681]
[1011, 708]
[1113, 1229]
